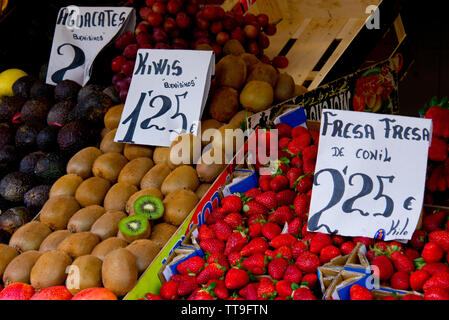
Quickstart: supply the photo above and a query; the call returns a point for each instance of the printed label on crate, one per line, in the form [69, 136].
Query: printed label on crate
[374, 90]
[370, 175]
[80, 34]
[167, 95]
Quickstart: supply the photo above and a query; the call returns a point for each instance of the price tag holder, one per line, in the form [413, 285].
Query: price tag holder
[370, 175]
[167, 96]
[80, 34]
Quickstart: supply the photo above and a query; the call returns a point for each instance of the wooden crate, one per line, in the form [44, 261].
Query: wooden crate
[315, 34]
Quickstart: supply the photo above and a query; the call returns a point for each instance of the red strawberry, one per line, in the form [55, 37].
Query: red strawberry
[298, 248]
[285, 239]
[296, 162]
[432, 252]
[438, 280]
[204, 293]
[293, 274]
[236, 241]
[191, 266]
[252, 207]
[366, 241]
[299, 143]
[264, 182]
[284, 252]
[256, 263]
[216, 215]
[232, 203]
[370, 255]
[255, 230]
[212, 245]
[234, 220]
[219, 258]
[308, 262]
[304, 183]
[347, 247]
[384, 269]
[284, 288]
[418, 240]
[236, 278]
[328, 253]
[169, 290]
[400, 280]
[186, 285]
[252, 193]
[267, 199]
[309, 167]
[412, 297]
[266, 289]
[402, 262]
[433, 268]
[284, 130]
[310, 280]
[433, 221]
[249, 292]
[222, 230]
[282, 215]
[301, 205]
[276, 268]
[212, 271]
[294, 227]
[270, 230]
[298, 131]
[319, 241]
[285, 197]
[292, 175]
[279, 183]
[338, 240]
[219, 289]
[441, 238]
[358, 292]
[205, 232]
[310, 153]
[256, 245]
[418, 278]
[436, 294]
[283, 143]
[315, 136]
[389, 298]
[412, 254]
[234, 258]
[152, 296]
[303, 294]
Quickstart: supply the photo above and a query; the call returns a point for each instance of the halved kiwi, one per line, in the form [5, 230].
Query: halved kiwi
[150, 207]
[134, 225]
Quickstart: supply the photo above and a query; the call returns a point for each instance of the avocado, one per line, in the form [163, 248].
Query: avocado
[66, 90]
[9, 106]
[113, 94]
[50, 168]
[73, 137]
[34, 111]
[14, 218]
[86, 90]
[22, 87]
[36, 197]
[14, 185]
[26, 137]
[6, 134]
[8, 158]
[47, 139]
[41, 89]
[92, 108]
[59, 113]
[28, 163]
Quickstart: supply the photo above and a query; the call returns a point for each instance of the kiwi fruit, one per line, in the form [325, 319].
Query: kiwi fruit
[7, 254]
[160, 155]
[113, 116]
[134, 227]
[104, 132]
[109, 165]
[84, 218]
[150, 207]
[118, 195]
[250, 60]
[145, 251]
[81, 163]
[202, 190]
[224, 104]
[144, 192]
[263, 72]
[285, 87]
[231, 71]
[42, 276]
[92, 191]
[179, 206]
[119, 272]
[19, 269]
[29, 236]
[155, 176]
[183, 177]
[133, 172]
[239, 119]
[52, 241]
[107, 225]
[207, 128]
[109, 145]
[57, 211]
[207, 169]
[257, 96]
[133, 151]
[84, 273]
[102, 249]
[79, 244]
[162, 232]
[66, 185]
[233, 46]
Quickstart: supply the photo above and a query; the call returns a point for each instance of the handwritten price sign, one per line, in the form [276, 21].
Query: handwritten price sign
[370, 175]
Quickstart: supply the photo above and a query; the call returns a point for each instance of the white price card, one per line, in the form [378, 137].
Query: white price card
[167, 96]
[80, 34]
[370, 175]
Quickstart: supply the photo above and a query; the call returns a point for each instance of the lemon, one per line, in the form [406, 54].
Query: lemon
[7, 79]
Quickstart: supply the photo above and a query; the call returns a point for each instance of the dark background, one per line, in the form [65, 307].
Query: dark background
[26, 33]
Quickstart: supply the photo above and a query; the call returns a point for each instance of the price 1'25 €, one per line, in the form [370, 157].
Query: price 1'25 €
[349, 205]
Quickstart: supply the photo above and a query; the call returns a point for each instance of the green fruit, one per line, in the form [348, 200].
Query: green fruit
[150, 207]
[134, 225]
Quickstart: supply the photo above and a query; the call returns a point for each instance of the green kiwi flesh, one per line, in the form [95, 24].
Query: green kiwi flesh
[133, 225]
[150, 207]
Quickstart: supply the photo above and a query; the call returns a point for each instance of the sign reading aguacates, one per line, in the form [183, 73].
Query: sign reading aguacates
[370, 175]
[167, 95]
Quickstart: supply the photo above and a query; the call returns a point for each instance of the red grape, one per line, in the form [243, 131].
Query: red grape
[125, 39]
[183, 20]
[198, 33]
[155, 19]
[222, 38]
[181, 43]
[202, 24]
[264, 42]
[280, 62]
[159, 35]
[217, 49]
[142, 27]
[143, 12]
[146, 46]
[249, 17]
[117, 62]
[239, 19]
[149, 3]
[162, 45]
[169, 24]
[262, 19]
[216, 27]
[143, 38]
[265, 59]
[238, 34]
[131, 51]
[191, 9]
[128, 68]
[162, 1]
[251, 31]
[210, 12]
[123, 94]
[270, 29]
[253, 47]
[174, 33]
[173, 6]
[158, 8]
[202, 41]
[116, 78]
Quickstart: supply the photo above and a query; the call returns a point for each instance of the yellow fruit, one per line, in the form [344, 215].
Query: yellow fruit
[7, 79]
[4, 5]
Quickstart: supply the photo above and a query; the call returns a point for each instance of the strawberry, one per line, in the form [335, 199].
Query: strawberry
[285, 197]
[284, 252]
[264, 182]
[234, 220]
[310, 280]
[232, 203]
[204, 293]
[219, 289]
[412, 254]
[309, 154]
[292, 175]
[270, 230]
[303, 294]
[252, 193]
[294, 227]
[347, 247]
[222, 230]
[384, 269]
[400, 280]
[319, 241]
[338, 240]
[309, 167]
[282, 215]
[236, 241]
[298, 248]
[293, 274]
[279, 183]
[152, 296]
[437, 280]
[389, 298]
[276, 268]
[186, 285]
[268, 200]
[433, 268]
[284, 130]
[433, 221]
[412, 297]
[255, 230]
[432, 252]
[169, 290]
[315, 136]
[285, 239]
[366, 241]
[212, 245]
[252, 207]
[283, 143]
[296, 162]
[249, 292]
[370, 255]
[418, 278]
[216, 215]
[418, 240]
[299, 143]
[284, 288]
[219, 258]
[234, 258]
[256, 263]
[266, 289]
[401, 262]
[308, 262]
[236, 278]
[328, 253]
[298, 131]
[212, 271]
[301, 205]
[357, 292]
[191, 266]
[205, 232]
[441, 238]
[304, 183]
[256, 245]
[436, 294]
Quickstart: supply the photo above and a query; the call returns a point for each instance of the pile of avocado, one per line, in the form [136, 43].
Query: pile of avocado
[41, 128]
